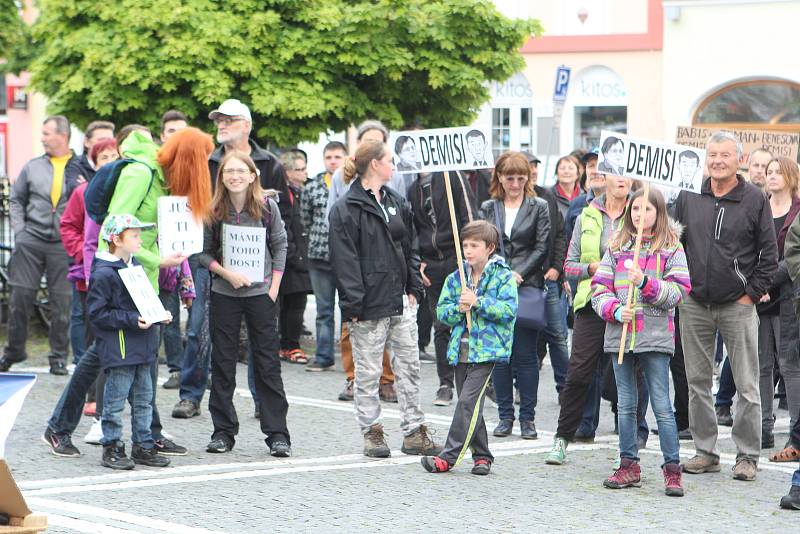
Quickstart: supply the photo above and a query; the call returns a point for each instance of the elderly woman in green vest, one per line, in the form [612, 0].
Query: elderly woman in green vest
[593, 228]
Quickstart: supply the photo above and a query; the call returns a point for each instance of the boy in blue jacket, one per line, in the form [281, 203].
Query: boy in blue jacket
[491, 298]
[127, 345]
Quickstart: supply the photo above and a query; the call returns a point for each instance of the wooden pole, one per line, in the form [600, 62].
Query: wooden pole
[636, 249]
[456, 239]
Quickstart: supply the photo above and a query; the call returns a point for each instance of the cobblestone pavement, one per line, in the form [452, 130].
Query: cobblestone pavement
[328, 486]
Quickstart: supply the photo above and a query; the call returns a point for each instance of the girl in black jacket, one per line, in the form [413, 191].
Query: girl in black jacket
[523, 220]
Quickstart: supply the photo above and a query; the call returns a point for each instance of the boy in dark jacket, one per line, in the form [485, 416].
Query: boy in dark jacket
[127, 345]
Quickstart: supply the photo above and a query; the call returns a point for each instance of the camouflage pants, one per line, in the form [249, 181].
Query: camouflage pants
[399, 334]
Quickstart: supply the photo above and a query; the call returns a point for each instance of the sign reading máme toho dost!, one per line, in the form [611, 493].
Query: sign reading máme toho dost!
[444, 149]
[665, 164]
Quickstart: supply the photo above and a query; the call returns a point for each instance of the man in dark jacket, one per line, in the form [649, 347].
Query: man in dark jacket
[95, 131]
[428, 197]
[729, 237]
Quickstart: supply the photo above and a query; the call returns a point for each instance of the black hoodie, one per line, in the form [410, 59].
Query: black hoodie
[435, 233]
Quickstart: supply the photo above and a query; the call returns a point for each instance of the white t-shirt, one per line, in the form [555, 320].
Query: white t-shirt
[511, 216]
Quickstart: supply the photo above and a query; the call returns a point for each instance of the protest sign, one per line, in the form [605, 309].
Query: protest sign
[243, 250]
[143, 294]
[664, 164]
[444, 149]
[178, 230]
[778, 143]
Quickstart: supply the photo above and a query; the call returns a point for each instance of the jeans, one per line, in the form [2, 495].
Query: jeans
[133, 382]
[77, 325]
[324, 286]
[524, 365]
[197, 354]
[655, 367]
[556, 333]
[171, 333]
[727, 388]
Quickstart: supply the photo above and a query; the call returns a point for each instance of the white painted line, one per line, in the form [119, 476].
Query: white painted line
[85, 527]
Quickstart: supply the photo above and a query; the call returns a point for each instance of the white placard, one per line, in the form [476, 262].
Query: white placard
[143, 294]
[243, 249]
[664, 164]
[444, 149]
[178, 231]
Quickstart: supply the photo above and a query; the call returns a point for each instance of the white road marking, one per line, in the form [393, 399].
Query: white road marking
[85, 527]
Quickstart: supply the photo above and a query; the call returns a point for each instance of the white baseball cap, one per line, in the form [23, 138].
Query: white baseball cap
[231, 108]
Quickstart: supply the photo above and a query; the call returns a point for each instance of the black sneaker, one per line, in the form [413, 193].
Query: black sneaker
[167, 447]
[5, 364]
[318, 367]
[186, 409]
[174, 381]
[280, 449]
[444, 396]
[58, 368]
[60, 444]
[527, 430]
[115, 458]
[148, 457]
[218, 446]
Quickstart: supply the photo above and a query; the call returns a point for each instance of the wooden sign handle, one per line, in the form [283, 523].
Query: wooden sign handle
[456, 239]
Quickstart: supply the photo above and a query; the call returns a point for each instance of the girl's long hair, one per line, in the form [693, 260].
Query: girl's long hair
[184, 158]
[221, 206]
[664, 235]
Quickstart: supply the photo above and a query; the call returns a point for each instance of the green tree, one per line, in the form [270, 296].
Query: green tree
[303, 66]
[15, 38]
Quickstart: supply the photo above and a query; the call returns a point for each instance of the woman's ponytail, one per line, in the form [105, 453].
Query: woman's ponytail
[357, 165]
[348, 170]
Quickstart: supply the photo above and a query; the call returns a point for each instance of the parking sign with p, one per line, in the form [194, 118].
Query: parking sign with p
[562, 84]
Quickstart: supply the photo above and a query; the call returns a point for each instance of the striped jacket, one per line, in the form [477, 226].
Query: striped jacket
[667, 283]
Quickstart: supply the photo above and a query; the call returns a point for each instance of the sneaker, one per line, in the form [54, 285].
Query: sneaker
[58, 368]
[672, 480]
[90, 409]
[347, 392]
[481, 466]
[319, 367]
[387, 393]
[628, 475]
[700, 463]
[420, 442]
[767, 440]
[434, 464]
[745, 469]
[792, 500]
[444, 396]
[60, 444]
[426, 357]
[724, 417]
[115, 458]
[558, 454]
[186, 409]
[95, 433]
[218, 446]
[5, 364]
[503, 428]
[280, 449]
[148, 457]
[167, 447]
[375, 443]
[528, 430]
[174, 381]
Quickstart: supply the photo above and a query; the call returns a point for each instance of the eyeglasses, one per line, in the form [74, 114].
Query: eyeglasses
[301, 169]
[226, 121]
[236, 172]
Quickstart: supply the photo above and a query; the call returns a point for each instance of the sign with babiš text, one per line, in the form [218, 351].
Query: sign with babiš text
[778, 143]
[664, 164]
[178, 230]
[444, 149]
[243, 250]
[143, 294]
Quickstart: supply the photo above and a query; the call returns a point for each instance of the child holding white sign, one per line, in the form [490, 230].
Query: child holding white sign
[246, 232]
[127, 345]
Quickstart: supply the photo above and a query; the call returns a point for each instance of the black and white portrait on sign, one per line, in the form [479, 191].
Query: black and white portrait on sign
[406, 149]
[613, 150]
[688, 166]
[476, 145]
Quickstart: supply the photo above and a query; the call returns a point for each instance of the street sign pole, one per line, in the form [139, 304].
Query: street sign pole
[559, 97]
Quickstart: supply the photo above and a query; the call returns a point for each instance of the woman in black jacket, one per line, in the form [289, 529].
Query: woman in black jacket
[524, 223]
[377, 274]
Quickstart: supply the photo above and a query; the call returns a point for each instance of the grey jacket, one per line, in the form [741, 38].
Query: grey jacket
[274, 256]
[30, 205]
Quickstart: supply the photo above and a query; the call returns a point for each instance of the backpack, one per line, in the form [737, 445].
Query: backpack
[101, 188]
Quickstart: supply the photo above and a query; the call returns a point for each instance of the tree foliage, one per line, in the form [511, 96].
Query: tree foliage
[15, 38]
[303, 66]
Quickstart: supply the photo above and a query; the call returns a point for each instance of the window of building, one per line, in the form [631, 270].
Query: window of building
[590, 120]
[759, 104]
[501, 130]
[526, 126]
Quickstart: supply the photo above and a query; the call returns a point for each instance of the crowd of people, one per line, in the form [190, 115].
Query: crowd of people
[714, 280]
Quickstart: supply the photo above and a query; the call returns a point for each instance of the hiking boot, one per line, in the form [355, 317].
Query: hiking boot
[444, 396]
[58, 368]
[434, 464]
[174, 381]
[672, 480]
[318, 367]
[628, 475]
[700, 463]
[186, 409]
[724, 417]
[280, 448]
[792, 500]
[148, 457]
[528, 430]
[167, 447]
[503, 428]
[387, 393]
[347, 392]
[481, 466]
[745, 469]
[558, 454]
[375, 443]
[115, 458]
[95, 433]
[767, 440]
[60, 444]
[420, 442]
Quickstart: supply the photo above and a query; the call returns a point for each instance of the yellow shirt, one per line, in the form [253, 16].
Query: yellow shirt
[59, 164]
[327, 178]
